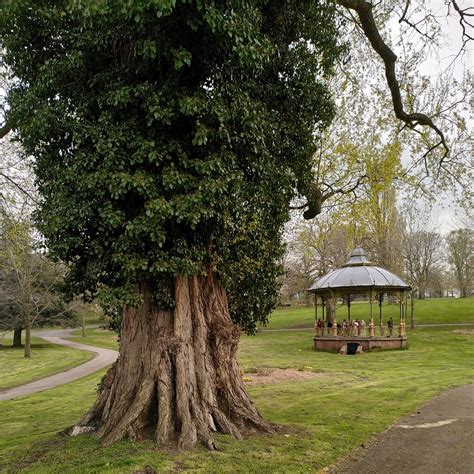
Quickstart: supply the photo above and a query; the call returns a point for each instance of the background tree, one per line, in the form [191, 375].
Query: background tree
[460, 245]
[424, 253]
[28, 284]
[375, 222]
[437, 281]
[366, 216]
[313, 248]
[298, 274]
[16, 180]
[419, 79]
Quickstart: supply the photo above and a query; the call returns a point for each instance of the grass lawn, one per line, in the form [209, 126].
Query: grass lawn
[97, 337]
[46, 359]
[430, 311]
[324, 418]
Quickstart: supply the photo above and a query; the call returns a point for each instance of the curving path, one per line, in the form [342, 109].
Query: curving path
[102, 359]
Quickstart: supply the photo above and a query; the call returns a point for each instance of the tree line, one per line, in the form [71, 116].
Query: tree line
[29, 283]
[405, 243]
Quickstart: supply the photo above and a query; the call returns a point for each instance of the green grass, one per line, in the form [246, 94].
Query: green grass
[433, 311]
[430, 311]
[97, 337]
[324, 418]
[46, 359]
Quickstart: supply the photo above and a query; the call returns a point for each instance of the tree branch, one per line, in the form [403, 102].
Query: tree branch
[463, 21]
[20, 188]
[316, 198]
[5, 130]
[367, 22]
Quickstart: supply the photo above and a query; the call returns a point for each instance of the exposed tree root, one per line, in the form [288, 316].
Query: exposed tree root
[177, 380]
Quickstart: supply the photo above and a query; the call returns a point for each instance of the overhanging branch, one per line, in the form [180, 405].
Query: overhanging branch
[367, 23]
[316, 198]
[18, 186]
[5, 130]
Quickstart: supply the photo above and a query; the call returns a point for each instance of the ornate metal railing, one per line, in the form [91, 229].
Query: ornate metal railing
[364, 331]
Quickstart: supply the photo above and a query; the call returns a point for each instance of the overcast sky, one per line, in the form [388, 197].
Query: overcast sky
[446, 215]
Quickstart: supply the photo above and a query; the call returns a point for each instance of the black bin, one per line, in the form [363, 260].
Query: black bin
[352, 348]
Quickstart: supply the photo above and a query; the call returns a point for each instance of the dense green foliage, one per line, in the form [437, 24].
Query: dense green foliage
[169, 136]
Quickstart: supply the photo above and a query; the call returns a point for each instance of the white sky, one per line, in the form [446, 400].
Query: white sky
[444, 212]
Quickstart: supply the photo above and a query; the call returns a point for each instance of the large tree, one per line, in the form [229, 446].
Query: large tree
[461, 257]
[423, 250]
[169, 138]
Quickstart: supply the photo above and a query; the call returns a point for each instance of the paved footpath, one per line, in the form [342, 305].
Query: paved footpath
[102, 358]
[437, 439]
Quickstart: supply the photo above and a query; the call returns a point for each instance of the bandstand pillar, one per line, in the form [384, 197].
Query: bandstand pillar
[371, 323]
[316, 315]
[380, 313]
[349, 308]
[402, 331]
[333, 314]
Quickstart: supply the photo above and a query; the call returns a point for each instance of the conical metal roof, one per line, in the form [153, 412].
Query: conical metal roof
[358, 275]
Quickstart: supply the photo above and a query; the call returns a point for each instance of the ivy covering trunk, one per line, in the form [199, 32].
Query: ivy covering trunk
[169, 138]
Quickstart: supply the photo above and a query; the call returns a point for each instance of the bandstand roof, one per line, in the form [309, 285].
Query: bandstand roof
[358, 275]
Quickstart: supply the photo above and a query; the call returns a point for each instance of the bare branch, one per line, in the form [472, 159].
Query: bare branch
[404, 19]
[5, 130]
[463, 21]
[19, 187]
[364, 11]
[405, 11]
[316, 197]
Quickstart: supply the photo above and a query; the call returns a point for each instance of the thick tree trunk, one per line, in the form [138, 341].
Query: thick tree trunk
[177, 379]
[28, 340]
[17, 336]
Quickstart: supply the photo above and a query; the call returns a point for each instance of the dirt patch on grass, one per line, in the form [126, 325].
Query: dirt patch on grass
[464, 331]
[269, 376]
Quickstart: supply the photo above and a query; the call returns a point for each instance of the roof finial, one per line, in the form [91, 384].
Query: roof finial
[358, 251]
[358, 257]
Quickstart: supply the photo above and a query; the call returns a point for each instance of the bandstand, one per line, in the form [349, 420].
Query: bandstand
[358, 277]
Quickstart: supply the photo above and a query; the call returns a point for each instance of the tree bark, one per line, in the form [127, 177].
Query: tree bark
[17, 336]
[176, 380]
[28, 340]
